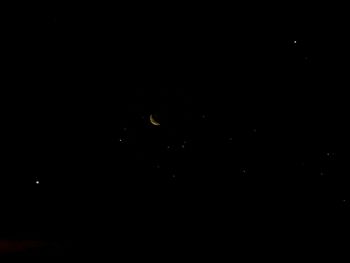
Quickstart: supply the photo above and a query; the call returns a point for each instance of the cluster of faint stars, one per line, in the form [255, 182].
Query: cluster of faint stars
[243, 171]
[157, 166]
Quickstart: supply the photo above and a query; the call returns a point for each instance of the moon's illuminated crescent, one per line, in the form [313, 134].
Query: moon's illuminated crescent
[153, 121]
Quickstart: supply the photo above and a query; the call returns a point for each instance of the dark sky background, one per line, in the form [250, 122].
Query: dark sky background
[253, 126]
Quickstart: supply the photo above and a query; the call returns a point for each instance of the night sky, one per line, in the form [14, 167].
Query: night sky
[252, 138]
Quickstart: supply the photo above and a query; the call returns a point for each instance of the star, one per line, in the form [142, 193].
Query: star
[294, 41]
[37, 182]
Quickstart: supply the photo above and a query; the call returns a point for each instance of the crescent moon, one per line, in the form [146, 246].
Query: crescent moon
[153, 121]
